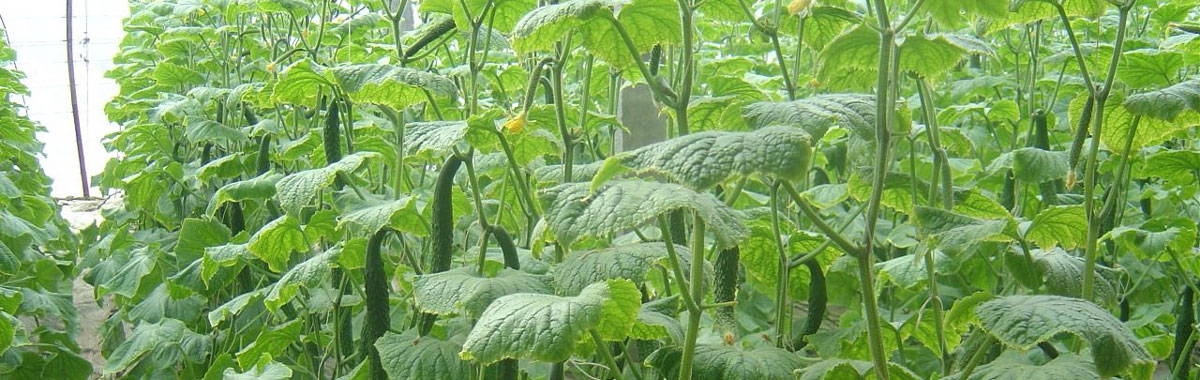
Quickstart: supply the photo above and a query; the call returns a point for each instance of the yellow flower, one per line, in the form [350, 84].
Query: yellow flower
[271, 67]
[516, 124]
[798, 6]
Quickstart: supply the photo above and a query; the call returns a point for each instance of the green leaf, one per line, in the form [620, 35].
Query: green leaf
[542, 27]
[573, 211]
[952, 13]
[1162, 111]
[434, 138]
[198, 234]
[957, 233]
[390, 85]
[546, 327]
[1059, 225]
[409, 356]
[1034, 165]
[8, 329]
[1064, 275]
[462, 290]
[164, 343]
[299, 189]
[630, 262]
[1177, 166]
[1012, 365]
[718, 361]
[851, 60]
[270, 371]
[261, 187]
[827, 195]
[221, 256]
[1023, 321]
[128, 278]
[165, 303]
[1155, 237]
[703, 160]
[208, 131]
[276, 241]
[1168, 103]
[308, 274]
[300, 84]
[168, 74]
[270, 342]
[400, 214]
[1144, 68]
[234, 307]
[839, 369]
[816, 114]
[647, 22]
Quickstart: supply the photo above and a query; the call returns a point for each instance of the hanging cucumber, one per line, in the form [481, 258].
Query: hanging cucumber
[507, 247]
[441, 227]
[375, 288]
[725, 270]
[332, 134]
[1041, 140]
[818, 298]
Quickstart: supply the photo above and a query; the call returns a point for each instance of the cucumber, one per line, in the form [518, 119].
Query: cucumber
[375, 287]
[441, 228]
[726, 275]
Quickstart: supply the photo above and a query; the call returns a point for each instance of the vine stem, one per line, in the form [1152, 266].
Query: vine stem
[782, 273]
[885, 89]
[1089, 181]
[696, 286]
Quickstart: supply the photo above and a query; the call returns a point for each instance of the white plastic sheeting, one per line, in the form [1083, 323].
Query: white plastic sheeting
[37, 30]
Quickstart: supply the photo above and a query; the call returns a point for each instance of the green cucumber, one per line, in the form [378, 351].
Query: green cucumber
[441, 228]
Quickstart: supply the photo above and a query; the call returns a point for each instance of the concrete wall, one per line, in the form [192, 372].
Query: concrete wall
[37, 30]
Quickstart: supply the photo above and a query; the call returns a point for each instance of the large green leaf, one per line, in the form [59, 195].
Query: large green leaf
[261, 187]
[1162, 111]
[1022, 322]
[198, 234]
[1168, 103]
[851, 60]
[816, 114]
[269, 371]
[276, 241]
[308, 274]
[546, 327]
[299, 189]
[1012, 365]
[164, 343]
[718, 361]
[399, 214]
[839, 369]
[1064, 275]
[703, 160]
[647, 22]
[956, 233]
[390, 85]
[1177, 166]
[630, 262]
[270, 342]
[463, 290]
[1033, 165]
[1060, 225]
[409, 356]
[573, 211]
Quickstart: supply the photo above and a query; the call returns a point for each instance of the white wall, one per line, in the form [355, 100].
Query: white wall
[37, 30]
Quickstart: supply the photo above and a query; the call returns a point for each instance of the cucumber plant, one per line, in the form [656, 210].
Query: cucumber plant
[886, 189]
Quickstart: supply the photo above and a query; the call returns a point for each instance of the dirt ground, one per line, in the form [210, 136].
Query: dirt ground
[81, 213]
